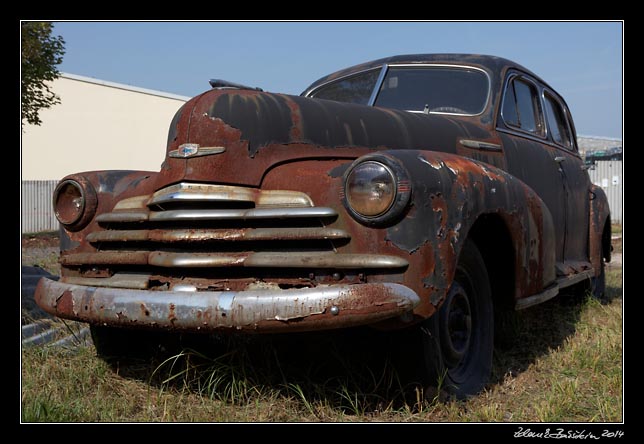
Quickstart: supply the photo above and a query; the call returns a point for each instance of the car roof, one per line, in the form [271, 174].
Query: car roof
[495, 66]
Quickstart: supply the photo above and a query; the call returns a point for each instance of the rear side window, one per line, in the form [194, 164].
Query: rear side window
[557, 122]
[521, 107]
[354, 89]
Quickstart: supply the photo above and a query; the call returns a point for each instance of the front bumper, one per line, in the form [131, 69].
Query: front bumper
[303, 309]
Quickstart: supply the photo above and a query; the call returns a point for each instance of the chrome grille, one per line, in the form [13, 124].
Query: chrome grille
[204, 226]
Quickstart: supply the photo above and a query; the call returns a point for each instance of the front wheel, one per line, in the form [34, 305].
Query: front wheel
[458, 339]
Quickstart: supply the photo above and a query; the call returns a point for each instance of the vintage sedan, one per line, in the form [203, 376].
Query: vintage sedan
[422, 192]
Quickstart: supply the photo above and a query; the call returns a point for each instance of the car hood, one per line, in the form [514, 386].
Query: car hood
[234, 136]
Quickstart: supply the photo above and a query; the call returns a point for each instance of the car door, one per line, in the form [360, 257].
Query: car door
[561, 134]
[522, 128]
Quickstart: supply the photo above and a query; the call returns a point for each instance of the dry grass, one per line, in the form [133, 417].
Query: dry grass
[558, 362]
[41, 250]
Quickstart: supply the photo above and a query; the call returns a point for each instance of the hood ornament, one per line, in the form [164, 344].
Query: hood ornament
[194, 150]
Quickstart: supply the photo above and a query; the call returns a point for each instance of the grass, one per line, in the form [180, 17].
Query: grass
[560, 361]
[41, 250]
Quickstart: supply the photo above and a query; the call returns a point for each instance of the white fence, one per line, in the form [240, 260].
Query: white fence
[36, 213]
[608, 174]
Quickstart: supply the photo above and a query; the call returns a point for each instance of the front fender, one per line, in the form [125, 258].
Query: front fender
[110, 186]
[449, 194]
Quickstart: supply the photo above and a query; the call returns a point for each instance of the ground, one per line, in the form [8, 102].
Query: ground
[560, 361]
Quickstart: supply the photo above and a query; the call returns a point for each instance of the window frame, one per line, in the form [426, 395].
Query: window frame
[542, 135]
[381, 79]
[566, 116]
[310, 93]
[384, 69]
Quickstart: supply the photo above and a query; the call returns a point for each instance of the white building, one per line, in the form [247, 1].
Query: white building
[98, 125]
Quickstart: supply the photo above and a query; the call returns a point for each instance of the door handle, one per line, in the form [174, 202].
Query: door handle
[559, 159]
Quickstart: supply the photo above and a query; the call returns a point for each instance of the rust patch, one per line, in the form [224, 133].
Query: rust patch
[65, 303]
[296, 120]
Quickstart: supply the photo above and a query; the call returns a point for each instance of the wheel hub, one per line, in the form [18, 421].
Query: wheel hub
[456, 326]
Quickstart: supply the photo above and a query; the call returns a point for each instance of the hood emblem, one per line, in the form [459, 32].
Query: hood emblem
[194, 150]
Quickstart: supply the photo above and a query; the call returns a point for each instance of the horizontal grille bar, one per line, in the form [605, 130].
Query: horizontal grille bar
[190, 192]
[193, 192]
[244, 259]
[213, 215]
[218, 235]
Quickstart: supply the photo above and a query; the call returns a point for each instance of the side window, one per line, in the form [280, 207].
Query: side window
[557, 122]
[354, 89]
[521, 107]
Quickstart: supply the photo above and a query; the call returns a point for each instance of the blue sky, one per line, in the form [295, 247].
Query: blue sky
[583, 61]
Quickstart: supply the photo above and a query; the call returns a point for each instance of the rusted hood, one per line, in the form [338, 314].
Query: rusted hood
[240, 125]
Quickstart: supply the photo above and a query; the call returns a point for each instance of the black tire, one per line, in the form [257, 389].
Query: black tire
[594, 287]
[458, 339]
[115, 344]
[598, 283]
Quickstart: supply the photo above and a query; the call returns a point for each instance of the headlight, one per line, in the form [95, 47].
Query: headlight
[74, 202]
[376, 189]
[370, 189]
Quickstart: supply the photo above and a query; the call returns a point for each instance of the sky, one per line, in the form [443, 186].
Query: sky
[583, 61]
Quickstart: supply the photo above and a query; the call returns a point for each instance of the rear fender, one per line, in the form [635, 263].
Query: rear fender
[599, 233]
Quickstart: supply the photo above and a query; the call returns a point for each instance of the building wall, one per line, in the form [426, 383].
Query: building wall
[98, 126]
[609, 174]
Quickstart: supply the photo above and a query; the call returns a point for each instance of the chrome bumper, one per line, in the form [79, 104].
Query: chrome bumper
[303, 309]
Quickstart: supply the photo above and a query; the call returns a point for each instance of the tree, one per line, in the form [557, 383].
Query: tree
[40, 53]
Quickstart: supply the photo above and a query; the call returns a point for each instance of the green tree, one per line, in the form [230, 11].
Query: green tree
[40, 53]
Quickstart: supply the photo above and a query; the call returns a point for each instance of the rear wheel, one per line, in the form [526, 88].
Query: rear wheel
[598, 283]
[458, 339]
[594, 287]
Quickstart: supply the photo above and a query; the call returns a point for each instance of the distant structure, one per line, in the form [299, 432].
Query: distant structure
[98, 125]
[594, 148]
[604, 156]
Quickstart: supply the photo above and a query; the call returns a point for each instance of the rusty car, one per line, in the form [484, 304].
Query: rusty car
[422, 192]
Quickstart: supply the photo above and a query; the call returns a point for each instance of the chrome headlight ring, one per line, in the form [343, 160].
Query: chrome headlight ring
[74, 202]
[376, 190]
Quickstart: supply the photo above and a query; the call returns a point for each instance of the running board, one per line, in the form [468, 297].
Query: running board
[553, 290]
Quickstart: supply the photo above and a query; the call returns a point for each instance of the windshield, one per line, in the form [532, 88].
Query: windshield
[419, 88]
[452, 90]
